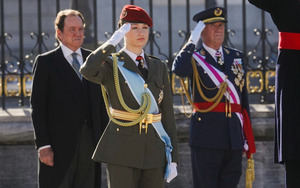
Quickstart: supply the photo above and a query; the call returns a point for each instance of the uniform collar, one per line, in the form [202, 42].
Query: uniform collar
[133, 56]
[212, 51]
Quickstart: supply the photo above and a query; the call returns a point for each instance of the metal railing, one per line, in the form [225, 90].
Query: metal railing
[17, 60]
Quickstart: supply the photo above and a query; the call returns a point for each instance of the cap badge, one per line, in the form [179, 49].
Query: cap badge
[218, 12]
[124, 13]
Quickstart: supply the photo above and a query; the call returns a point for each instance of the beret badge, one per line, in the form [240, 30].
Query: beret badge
[124, 13]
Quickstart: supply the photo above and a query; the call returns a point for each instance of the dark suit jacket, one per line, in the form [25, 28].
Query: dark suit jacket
[285, 15]
[61, 105]
[124, 145]
[213, 129]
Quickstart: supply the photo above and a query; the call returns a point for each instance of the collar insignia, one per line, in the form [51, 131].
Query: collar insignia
[202, 52]
[226, 51]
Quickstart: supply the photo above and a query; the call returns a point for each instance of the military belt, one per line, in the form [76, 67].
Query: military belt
[221, 107]
[128, 116]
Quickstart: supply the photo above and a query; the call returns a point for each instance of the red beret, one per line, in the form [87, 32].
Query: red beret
[135, 14]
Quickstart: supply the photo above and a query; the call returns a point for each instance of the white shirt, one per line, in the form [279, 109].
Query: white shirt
[133, 57]
[212, 51]
[68, 54]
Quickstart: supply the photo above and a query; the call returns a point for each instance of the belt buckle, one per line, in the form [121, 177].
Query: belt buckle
[144, 123]
[149, 118]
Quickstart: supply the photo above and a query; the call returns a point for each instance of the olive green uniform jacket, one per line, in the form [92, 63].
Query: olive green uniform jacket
[125, 146]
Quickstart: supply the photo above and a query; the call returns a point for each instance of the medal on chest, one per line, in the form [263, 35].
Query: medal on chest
[239, 72]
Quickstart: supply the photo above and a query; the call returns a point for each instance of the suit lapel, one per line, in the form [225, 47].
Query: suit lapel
[64, 69]
[84, 53]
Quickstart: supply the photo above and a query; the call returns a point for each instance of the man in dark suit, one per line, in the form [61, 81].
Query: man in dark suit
[68, 112]
[285, 15]
[139, 144]
[220, 125]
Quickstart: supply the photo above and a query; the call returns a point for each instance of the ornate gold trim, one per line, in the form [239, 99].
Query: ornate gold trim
[268, 74]
[258, 75]
[27, 78]
[13, 92]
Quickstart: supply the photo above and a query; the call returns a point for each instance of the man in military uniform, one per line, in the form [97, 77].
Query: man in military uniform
[220, 125]
[285, 15]
[141, 135]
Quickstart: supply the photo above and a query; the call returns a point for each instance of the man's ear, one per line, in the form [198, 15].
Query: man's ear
[59, 34]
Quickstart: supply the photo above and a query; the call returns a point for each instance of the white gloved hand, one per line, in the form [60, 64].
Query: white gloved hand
[196, 33]
[173, 172]
[119, 34]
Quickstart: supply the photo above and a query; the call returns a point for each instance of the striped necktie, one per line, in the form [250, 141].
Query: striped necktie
[218, 56]
[76, 64]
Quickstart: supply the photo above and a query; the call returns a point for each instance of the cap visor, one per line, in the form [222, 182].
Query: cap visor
[215, 19]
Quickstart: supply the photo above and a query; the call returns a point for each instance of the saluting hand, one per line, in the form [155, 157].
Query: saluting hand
[119, 34]
[196, 33]
[46, 156]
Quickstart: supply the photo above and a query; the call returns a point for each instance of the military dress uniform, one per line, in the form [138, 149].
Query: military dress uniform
[285, 15]
[125, 146]
[216, 137]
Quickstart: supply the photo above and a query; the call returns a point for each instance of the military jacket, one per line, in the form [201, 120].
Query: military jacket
[214, 129]
[124, 145]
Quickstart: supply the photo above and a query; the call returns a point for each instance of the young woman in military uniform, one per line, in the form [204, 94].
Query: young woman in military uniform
[139, 143]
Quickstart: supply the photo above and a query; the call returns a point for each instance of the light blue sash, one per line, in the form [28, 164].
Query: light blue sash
[136, 85]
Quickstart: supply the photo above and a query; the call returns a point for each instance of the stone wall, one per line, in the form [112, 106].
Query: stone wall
[18, 157]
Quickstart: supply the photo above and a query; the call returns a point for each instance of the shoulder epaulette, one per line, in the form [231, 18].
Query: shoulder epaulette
[234, 51]
[154, 57]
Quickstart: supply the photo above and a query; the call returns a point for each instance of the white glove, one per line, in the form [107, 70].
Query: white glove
[196, 33]
[173, 172]
[119, 34]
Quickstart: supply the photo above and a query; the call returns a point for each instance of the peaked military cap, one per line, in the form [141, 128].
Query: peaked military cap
[211, 15]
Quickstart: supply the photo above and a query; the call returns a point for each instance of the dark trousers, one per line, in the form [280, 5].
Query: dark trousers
[216, 168]
[126, 177]
[83, 171]
[292, 170]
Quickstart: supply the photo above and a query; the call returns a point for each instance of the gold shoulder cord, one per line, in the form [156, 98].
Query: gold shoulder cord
[142, 111]
[196, 79]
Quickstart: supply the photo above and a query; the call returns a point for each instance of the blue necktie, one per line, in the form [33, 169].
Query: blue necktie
[76, 64]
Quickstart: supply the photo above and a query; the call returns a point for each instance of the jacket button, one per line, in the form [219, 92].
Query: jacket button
[118, 129]
[199, 118]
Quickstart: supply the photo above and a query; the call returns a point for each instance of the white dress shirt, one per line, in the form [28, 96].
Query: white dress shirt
[133, 57]
[68, 54]
[212, 51]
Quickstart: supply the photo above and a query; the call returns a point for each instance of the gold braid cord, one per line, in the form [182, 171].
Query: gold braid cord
[250, 173]
[142, 111]
[196, 79]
